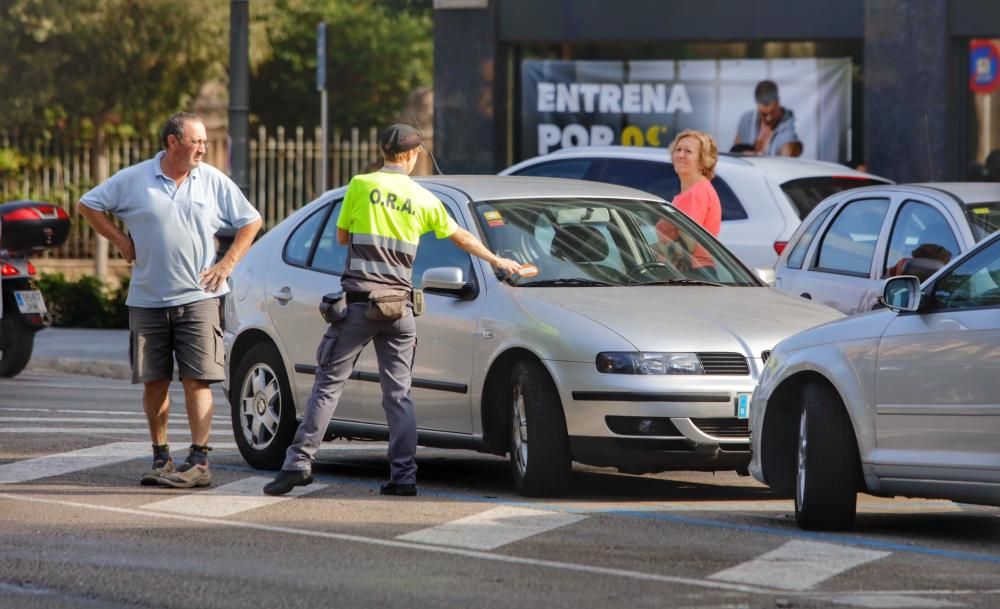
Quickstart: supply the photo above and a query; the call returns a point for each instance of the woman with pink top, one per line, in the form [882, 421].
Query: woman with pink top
[694, 155]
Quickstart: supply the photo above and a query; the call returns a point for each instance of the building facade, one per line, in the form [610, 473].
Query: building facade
[907, 87]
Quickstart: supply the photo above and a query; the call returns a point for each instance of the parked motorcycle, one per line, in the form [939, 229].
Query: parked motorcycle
[26, 228]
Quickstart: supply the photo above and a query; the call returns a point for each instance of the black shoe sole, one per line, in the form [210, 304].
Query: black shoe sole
[286, 487]
[406, 490]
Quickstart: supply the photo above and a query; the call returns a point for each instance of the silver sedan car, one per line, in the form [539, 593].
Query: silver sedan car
[635, 345]
[902, 401]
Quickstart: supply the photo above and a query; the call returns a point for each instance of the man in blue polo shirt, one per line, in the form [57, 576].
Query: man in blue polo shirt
[173, 204]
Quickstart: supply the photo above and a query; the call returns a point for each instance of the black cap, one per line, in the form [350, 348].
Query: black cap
[399, 138]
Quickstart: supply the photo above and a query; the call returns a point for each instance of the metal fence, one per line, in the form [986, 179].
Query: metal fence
[285, 171]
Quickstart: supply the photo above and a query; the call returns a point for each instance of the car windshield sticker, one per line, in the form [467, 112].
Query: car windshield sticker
[493, 218]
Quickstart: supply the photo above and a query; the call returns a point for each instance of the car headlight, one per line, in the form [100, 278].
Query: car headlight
[644, 362]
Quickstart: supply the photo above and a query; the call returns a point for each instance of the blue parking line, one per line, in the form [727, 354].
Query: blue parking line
[652, 514]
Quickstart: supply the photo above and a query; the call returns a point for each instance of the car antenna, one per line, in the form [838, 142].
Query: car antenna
[413, 115]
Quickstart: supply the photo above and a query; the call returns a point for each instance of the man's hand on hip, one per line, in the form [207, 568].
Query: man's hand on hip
[214, 276]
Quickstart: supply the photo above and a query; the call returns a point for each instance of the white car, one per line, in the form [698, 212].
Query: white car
[902, 401]
[763, 198]
[853, 240]
[618, 352]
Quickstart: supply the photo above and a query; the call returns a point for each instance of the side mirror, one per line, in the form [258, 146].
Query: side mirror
[901, 293]
[445, 280]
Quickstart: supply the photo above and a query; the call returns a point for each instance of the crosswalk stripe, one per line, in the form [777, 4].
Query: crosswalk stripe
[100, 430]
[228, 499]
[72, 461]
[798, 565]
[493, 528]
[122, 420]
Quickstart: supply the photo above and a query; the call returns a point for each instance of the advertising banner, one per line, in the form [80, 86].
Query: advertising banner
[645, 103]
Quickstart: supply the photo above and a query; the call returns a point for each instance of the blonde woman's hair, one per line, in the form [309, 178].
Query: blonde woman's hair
[709, 150]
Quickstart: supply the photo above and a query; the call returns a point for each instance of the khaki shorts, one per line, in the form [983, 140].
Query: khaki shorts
[191, 333]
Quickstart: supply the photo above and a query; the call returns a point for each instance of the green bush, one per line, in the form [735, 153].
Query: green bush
[85, 303]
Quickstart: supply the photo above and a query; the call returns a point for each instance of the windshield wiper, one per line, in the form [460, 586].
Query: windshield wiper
[679, 282]
[574, 281]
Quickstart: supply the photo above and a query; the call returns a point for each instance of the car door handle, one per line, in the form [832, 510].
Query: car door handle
[283, 295]
[806, 295]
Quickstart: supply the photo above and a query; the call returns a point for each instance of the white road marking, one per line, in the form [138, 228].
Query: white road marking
[799, 565]
[122, 420]
[403, 545]
[892, 601]
[76, 460]
[228, 499]
[493, 528]
[102, 430]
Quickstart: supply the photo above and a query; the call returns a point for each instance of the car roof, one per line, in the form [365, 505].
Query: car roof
[490, 187]
[966, 193]
[969, 193]
[785, 168]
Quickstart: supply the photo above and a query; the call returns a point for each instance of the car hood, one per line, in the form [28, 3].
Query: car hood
[690, 318]
[856, 327]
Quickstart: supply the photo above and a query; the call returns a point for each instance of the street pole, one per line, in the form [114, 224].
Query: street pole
[323, 118]
[239, 94]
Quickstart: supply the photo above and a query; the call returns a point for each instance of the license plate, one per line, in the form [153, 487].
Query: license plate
[30, 301]
[742, 405]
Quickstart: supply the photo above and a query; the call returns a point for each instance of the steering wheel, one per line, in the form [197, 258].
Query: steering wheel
[647, 267]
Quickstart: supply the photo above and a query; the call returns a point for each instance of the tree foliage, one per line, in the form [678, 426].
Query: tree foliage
[377, 53]
[98, 63]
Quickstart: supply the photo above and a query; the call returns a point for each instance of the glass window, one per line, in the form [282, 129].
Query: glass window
[661, 180]
[300, 243]
[921, 242]
[330, 256]
[849, 244]
[599, 242]
[798, 252]
[434, 252]
[567, 168]
[973, 283]
[983, 218]
[806, 193]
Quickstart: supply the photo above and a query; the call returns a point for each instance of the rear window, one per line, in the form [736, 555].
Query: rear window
[661, 180]
[806, 193]
[983, 218]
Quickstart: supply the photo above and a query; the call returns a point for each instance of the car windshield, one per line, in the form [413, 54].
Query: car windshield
[983, 218]
[600, 242]
[806, 193]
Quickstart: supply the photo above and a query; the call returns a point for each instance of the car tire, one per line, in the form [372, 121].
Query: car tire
[17, 341]
[536, 421]
[827, 464]
[263, 411]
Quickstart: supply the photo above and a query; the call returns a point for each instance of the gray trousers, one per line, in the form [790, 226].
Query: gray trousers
[395, 343]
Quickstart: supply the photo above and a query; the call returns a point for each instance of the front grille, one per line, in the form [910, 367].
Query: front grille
[764, 355]
[724, 427]
[642, 426]
[732, 364]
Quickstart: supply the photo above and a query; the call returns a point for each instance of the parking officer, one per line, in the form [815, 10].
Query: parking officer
[381, 220]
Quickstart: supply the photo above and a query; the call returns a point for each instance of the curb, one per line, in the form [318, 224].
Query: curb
[102, 369]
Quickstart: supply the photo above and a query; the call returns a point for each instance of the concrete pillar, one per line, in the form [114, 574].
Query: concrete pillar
[467, 125]
[910, 126]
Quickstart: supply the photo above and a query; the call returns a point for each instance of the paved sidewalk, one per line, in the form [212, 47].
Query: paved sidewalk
[102, 353]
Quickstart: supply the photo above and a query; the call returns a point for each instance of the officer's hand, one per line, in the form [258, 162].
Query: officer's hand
[127, 248]
[507, 266]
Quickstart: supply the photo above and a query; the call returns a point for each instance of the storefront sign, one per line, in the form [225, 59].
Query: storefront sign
[984, 66]
[644, 103]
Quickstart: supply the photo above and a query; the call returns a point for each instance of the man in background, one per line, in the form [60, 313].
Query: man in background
[770, 129]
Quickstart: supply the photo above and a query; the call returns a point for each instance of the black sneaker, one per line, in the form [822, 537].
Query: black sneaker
[285, 481]
[400, 490]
